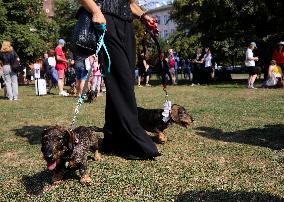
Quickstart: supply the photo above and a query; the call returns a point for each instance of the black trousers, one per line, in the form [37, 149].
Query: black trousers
[123, 133]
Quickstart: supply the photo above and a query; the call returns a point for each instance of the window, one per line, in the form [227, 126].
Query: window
[166, 34]
[161, 33]
[166, 18]
[158, 19]
[173, 30]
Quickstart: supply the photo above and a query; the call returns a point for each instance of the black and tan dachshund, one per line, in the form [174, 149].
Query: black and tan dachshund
[152, 120]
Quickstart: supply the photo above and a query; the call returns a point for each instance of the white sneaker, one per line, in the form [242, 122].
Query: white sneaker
[63, 93]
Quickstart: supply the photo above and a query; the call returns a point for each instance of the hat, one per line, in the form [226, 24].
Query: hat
[253, 44]
[281, 43]
[61, 41]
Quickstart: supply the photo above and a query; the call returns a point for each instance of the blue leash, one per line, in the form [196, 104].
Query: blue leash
[101, 28]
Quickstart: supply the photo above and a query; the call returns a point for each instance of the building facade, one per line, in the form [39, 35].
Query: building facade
[166, 26]
[48, 6]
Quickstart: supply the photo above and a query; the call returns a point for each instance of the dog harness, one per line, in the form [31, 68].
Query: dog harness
[101, 28]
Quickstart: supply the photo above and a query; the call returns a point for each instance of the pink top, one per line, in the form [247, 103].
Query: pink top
[96, 70]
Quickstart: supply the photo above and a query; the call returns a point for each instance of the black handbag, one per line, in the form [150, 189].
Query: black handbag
[15, 64]
[84, 35]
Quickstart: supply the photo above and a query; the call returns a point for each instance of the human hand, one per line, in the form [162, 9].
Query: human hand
[99, 18]
[151, 23]
[256, 58]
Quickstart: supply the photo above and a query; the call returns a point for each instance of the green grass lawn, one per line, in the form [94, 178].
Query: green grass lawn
[234, 151]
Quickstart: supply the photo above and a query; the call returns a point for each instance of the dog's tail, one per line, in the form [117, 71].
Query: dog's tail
[96, 129]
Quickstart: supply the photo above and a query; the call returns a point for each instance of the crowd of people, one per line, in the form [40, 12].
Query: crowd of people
[201, 67]
[59, 71]
[55, 68]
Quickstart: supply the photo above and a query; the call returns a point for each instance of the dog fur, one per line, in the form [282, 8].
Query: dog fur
[65, 150]
[72, 91]
[152, 120]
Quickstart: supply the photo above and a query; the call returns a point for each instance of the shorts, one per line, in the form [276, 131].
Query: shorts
[252, 70]
[172, 70]
[61, 73]
[80, 71]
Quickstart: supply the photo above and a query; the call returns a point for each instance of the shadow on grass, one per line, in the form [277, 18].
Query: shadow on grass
[271, 136]
[226, 196]
[32, 133]
[37, 183]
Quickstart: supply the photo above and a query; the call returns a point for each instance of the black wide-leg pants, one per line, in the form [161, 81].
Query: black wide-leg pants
[123, 133]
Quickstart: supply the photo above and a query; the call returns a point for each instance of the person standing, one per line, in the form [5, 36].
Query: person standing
[81, 72]
[208, 68]
[143, 70]
[97, 75]
[51, 75]
[61, 66]
[197, 63]
[250, 64]
[172, 69]
[7, 56]
[123, 134]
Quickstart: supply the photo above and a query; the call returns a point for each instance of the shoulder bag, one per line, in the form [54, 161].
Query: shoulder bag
[84, 35]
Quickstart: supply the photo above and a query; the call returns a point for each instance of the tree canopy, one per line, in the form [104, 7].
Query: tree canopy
[229, 25]
[24, 23]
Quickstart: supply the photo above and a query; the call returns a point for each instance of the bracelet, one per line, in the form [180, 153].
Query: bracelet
[142, 16]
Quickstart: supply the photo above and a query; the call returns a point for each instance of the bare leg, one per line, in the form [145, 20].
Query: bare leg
[60, 85]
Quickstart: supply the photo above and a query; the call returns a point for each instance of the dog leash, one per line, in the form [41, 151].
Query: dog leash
[101, 28]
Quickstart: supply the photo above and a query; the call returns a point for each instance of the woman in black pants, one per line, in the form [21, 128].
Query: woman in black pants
[123, 135]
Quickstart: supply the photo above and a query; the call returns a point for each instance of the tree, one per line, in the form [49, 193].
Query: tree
[229, 25]
[24, 23]
[184, 44]
[65, 11]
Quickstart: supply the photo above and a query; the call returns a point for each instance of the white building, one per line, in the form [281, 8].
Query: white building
[165, 25]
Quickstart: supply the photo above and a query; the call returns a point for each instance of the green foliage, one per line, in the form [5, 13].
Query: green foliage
[25, 24]
[65, 11]
[229, 25]
[183, 44]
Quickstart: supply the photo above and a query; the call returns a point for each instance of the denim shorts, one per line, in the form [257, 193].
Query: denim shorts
[81, 72]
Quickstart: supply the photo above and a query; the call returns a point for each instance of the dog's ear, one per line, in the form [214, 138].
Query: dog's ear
[174, 113]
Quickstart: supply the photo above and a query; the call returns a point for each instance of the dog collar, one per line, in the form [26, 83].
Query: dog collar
[167, 111]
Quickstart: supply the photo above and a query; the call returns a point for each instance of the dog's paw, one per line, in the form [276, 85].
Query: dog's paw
[97, 156]
[162, 138]
[86, 180]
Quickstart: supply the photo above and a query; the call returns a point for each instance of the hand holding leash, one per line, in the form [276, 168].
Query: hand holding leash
[150, 22]
[98, 18]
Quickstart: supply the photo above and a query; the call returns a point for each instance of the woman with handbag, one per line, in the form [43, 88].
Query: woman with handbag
[123, 135]
[8, 57]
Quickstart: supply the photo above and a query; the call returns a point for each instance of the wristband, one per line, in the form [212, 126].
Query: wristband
[142, 16]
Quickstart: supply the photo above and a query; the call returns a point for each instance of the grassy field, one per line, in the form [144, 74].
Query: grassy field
[234, 151]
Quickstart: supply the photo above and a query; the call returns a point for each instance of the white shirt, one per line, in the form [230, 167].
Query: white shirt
[208, 60]
[249, 54]
[51, 61]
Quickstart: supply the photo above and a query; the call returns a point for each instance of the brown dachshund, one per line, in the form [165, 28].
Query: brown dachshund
[152, 120]
[66, 150]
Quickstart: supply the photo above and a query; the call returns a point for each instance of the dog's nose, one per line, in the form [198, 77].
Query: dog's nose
[48, 154]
